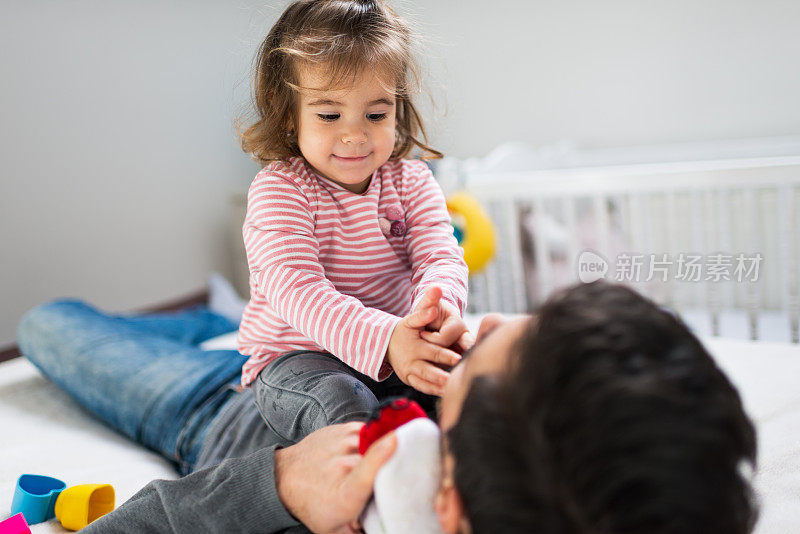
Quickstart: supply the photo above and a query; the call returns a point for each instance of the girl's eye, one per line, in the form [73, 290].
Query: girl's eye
[328, 117]
[376, 117]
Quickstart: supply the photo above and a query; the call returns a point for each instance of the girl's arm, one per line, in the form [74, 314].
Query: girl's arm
[283, 257]
[436, 258]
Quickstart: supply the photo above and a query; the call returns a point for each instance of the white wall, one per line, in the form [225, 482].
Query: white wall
[614, 72]
[118, 153]
[117, 148]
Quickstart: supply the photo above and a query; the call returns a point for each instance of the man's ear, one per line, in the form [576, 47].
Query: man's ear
[450, 508]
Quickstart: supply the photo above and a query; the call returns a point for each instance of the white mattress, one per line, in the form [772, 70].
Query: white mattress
[45, 432]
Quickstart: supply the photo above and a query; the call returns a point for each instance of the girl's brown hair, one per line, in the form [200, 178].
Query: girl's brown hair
[344, 37]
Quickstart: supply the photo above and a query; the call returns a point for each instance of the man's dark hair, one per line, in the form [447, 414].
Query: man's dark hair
[614, 419]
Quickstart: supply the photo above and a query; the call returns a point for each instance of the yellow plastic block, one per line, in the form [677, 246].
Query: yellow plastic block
[77, 506]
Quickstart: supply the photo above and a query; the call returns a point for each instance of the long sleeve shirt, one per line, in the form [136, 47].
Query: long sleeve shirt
[233, 488]
[238, 495]
[324, 274]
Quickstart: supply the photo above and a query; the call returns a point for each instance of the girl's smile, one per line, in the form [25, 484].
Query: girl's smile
[351, 158]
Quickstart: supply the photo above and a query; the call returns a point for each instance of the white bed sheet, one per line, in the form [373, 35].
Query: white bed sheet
[45, 432]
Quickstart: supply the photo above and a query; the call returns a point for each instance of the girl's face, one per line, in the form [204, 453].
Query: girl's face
[345, 133]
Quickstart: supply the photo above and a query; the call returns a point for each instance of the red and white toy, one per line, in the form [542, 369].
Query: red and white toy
[406, 485]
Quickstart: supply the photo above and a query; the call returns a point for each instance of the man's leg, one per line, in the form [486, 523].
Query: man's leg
[191, 325]
[141, 374]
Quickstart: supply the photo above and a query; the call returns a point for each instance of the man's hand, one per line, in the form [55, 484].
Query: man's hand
[323, 481]
[415, 361]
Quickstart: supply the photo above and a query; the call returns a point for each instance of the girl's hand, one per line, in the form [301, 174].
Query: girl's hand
[448, 329]
[418, 362]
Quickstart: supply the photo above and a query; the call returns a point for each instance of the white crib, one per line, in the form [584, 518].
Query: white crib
[731, 223]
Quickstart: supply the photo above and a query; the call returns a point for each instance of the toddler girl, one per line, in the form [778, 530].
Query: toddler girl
[354, 270]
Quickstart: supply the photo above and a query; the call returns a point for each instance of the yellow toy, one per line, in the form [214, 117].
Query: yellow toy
[77, 506]
[473, 229]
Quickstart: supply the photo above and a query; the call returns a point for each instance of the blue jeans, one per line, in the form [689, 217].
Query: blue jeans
[142, 374]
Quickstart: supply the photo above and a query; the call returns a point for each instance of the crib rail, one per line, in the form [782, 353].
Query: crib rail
[741, 218]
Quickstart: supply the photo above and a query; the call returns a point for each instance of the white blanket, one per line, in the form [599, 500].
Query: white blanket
[45, 432]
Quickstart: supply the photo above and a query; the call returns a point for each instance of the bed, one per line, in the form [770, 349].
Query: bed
[547, 209]
[45, 432]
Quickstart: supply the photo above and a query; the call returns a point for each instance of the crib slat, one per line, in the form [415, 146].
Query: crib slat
[794, 266]
[499, 265]
[789, 223]
[504, 211]
[472, 296]
[750, 231]
[636, 210]
[511, 219]
[542, 249]
[507, 281]
[491, 275]
[725, 212]
[785, 252]
[570, 219]
[698, 241]
[602, 229]
[623, 208]
[673, 228]
[712, 291]
[480, 284]
[648, 239]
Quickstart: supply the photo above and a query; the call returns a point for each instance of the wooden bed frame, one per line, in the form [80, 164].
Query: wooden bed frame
[10, 352]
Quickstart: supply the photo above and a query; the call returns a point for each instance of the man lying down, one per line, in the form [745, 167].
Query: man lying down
[603, 415]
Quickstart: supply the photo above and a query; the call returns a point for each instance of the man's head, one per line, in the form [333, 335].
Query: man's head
[601, 414]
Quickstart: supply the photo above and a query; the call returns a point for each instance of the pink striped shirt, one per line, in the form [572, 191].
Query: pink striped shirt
[323, 276]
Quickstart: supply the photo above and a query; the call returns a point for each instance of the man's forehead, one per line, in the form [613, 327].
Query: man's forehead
[478, 342]
[490, 355]
[493, 349]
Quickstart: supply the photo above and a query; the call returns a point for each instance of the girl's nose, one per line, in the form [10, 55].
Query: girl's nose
[354, 136]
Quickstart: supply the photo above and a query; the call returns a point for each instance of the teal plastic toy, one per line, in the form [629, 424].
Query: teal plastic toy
[35, 497]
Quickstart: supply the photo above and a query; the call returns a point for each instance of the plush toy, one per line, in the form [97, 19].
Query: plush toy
[473, 230]
[406, 485]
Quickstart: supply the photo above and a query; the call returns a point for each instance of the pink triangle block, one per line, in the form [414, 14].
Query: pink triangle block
[15, 524]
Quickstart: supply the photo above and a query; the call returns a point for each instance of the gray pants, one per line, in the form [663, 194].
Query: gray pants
[302, 391]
